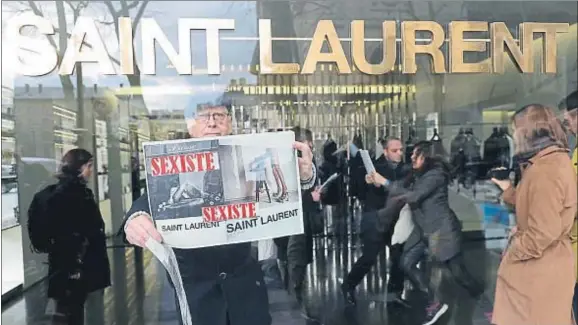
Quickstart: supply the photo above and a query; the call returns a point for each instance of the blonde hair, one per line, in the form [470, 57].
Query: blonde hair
[535, 123]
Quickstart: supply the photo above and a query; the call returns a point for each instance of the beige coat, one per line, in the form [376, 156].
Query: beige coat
[535, 282]
[575, 228]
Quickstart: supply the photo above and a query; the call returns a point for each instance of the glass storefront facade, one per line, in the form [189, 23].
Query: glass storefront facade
[356, 90]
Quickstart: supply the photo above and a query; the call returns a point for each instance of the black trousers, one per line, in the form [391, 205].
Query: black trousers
[374, 243]
[414, 251]
[70, 310]
[282, 243]
[454, 269]
[297, 259]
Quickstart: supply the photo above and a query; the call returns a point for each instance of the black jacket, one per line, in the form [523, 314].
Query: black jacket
[377, 196]
[301, 251]
[335, 193]
[491, 149]
[79, 242]
[220, 280]
[357, 177]
[427, 196]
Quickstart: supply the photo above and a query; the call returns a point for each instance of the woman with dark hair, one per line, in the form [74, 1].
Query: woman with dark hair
[77, 259]
[437, 228]
[536, 275]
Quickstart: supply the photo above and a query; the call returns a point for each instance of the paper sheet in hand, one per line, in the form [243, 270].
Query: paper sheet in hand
[367, 161]
[215, 191]
[167, 258]
[330, 180]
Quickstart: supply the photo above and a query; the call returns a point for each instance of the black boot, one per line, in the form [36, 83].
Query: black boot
[348, 294]
[396, 298]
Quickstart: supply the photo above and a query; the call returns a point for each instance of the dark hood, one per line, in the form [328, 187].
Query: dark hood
[329, 147]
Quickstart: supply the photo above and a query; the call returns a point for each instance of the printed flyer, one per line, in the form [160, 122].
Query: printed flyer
[216, 191]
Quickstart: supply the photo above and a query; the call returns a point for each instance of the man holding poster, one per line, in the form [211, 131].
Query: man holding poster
[223, 284]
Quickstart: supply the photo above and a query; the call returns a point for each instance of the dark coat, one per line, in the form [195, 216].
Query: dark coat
[372, 226]
[79, 236]
[334, 193]
[357, 177]
[300, 251]
[427, 196]
[220, 281]
[377, 196]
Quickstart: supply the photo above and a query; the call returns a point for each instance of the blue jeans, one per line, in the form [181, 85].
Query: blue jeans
[575, 302]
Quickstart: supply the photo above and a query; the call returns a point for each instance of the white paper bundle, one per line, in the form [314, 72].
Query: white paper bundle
[166, 256]
[367, 161]
[331, 179]
[403, 227]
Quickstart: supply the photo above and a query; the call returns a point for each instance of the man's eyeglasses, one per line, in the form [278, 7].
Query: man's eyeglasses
[217, 117]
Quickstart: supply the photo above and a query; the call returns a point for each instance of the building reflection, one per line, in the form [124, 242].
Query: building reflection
[43, 117]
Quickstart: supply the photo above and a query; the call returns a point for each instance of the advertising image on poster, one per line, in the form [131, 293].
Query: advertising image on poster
[214, 191]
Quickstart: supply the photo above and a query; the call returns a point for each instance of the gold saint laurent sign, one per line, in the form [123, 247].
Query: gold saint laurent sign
[500, 41]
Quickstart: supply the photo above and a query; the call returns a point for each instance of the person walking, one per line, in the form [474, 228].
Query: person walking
[300, 247]
[536, 277]
[570, 107]
[437, 227]
[375, 235]
[77, 259]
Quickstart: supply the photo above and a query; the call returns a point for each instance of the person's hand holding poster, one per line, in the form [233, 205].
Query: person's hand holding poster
[207, 192]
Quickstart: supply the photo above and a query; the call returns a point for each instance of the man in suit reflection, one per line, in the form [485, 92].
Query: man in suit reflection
[300, 247]
[223, 284]
[374, 235]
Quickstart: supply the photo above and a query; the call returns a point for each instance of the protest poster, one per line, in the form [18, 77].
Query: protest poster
[215, 191]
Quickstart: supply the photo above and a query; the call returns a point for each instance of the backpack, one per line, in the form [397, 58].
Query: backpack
[39, 221]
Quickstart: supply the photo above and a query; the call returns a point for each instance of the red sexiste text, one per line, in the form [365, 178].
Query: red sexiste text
[187, 163]
[229, 212]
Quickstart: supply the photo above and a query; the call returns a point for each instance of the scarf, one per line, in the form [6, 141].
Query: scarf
[392, 164]
[536, 146]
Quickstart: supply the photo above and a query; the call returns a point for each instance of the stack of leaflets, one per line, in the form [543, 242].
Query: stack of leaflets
[367, 161]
